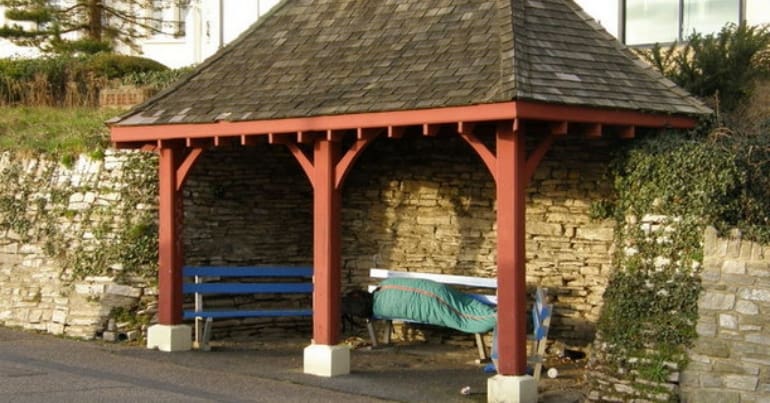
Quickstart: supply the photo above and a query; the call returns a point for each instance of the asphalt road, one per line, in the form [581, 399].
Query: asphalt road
[40, 368]
[44, 368]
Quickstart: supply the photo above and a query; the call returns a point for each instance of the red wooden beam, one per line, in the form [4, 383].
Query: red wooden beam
[591, 130]
[627, 132]
[396, 132]
[559, 128]
[511, 279]
[275, 138]
[326, 244]
[430, 130]
[169, 256]
[248, 140]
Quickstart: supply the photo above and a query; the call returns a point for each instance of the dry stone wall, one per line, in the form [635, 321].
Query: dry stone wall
[419, 204]
[730, 361]
[52, 219]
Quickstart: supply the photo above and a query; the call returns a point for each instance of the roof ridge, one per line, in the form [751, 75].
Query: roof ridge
[522, 66]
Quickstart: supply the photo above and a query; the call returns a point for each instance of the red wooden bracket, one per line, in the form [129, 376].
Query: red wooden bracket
[185, 165]
[346, 162]
[533, 160]
[303, 160]
[482, 150]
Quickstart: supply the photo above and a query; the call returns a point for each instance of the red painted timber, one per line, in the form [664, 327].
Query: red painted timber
[169, 256]
[475, 113]
[326, 244]
[511, 279]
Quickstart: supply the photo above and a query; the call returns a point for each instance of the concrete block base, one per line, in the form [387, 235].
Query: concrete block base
[512, 389]
[328, 361]
[169, 337]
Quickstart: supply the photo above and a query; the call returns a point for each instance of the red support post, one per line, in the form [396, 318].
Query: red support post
[326, 243]
[169, 249]
[511, 279]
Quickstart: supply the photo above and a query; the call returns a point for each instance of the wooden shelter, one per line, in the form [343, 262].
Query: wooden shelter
[326, 77]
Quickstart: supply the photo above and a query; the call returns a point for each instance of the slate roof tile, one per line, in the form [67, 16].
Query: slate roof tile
[317, 57]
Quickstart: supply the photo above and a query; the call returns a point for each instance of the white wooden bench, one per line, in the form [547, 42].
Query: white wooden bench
[464, 281]
[541, 312]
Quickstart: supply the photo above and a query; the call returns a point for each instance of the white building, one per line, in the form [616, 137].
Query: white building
[209, 24]
[644, 22]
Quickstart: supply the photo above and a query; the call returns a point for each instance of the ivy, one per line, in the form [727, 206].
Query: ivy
[668, 188]
[116, 239]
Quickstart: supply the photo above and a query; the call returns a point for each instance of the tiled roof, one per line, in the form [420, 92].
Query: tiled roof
[331, 57]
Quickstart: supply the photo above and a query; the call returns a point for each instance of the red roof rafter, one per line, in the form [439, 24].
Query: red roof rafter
[281, 130]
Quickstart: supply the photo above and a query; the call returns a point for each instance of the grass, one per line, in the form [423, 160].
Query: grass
[55, 131]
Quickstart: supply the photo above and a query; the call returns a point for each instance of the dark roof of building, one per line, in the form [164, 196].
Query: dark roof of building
[330, 57]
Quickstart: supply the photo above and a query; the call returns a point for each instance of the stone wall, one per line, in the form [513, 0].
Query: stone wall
[730, 361]
[417, 203]
[49, 214]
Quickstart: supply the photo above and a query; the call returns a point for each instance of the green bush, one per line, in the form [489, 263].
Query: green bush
[723, 66]
[66, 80]
[111, 65]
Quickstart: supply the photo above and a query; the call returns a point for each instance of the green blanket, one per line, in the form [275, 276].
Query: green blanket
[427, 301]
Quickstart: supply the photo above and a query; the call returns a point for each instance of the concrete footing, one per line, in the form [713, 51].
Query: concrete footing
[169, 338]
[512, 389]
[328, 361]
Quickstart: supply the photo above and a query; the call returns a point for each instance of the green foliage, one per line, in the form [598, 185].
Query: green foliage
[68, 80]
[99, 239]
[98, 25]
[725, 65]
[111, 65]
[156, 79]
[669, 187]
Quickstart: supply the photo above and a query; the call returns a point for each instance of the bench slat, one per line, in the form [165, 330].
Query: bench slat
[246, 288]
[263, 313]
[247, 271]
[467, 281]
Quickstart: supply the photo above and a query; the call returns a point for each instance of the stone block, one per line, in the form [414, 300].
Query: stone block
[734, 267]
[741, 382]
[728, 321]
[754, 294]
[716, 301]
[758, 338]
[540, 228]
[706, 328]
[123, 291]
[713, 396]
[758, 269]
[746, 307]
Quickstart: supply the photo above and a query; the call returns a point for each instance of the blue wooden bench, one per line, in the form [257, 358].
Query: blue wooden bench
[208, 280]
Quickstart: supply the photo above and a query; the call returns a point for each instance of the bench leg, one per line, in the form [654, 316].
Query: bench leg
[483, 357]
[372, 335]
[204, 343]
[388, 330]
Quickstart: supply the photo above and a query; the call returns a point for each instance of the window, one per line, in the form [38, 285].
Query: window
[167, 16]
[651, 21]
